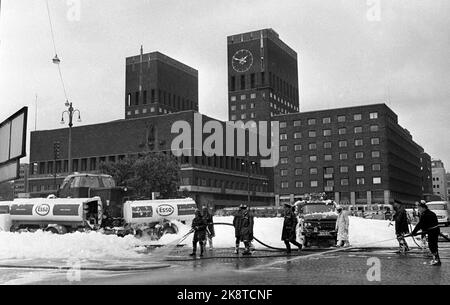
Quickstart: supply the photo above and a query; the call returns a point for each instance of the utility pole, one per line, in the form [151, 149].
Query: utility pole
[70, 112]
[57, 155]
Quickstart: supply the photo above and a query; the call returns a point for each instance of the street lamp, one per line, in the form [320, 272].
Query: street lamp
[70, 112]
[249, 164]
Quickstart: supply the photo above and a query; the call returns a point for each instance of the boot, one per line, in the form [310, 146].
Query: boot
[202, 249]
[236, 249]
[194, 250]
[288, 247]
[247, 250]
[436, 260]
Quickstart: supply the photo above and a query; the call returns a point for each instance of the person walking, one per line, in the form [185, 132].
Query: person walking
[288, 234]
[401, 226]
[199, 226]
[209, 227]
[342, 225]
[243, 229]
[429, 225]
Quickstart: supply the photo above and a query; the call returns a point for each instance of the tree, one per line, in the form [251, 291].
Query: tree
[153, 172]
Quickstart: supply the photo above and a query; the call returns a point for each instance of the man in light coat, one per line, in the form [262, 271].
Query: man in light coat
[342, 224]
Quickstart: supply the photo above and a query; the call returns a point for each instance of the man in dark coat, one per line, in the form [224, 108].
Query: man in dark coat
[199, 226]
[401, 226]
[429, 225]
[243, 229]
[288, 235]
[210, 227]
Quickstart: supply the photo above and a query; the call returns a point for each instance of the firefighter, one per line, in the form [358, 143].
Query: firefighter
[288, 235]
[199, 226]
[243, 229]
[210, 227]
[401, 226]
[429, 225]
[342, 225]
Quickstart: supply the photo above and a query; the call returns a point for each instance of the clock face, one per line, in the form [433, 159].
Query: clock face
[242, 60]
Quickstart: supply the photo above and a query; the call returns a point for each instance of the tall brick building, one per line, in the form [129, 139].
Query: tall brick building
[357, 155]
[262, 76]
[157, 84]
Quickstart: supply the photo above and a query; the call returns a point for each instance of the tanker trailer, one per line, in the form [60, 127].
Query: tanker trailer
[56, 215]
[154, 218]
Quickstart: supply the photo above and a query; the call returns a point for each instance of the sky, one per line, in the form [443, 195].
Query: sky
[350, 52]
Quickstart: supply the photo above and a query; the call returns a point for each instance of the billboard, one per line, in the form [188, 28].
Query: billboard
[13, 133]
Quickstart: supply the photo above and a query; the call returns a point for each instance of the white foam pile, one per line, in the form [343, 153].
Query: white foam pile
[94, 245]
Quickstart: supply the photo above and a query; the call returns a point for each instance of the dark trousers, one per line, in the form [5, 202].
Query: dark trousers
[288, 243]
[433, 242]
[194, 246]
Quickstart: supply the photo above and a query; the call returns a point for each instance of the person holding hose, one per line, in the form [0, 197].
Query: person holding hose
[429, 225]
[199, 227]
[243, 229]
[342, 225]
[210, 227]
[401, 226]
[288, 235]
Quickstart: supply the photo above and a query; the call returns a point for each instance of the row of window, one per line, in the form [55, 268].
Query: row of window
[163, 97]
[330, 183]
[253, 80]
[328, 132]
[273, 96]
[329, 157]
[242, 107]
[149, 110]
[244, 116]
[328, 120]
[328, 145]
[330, 170]
[227, 184]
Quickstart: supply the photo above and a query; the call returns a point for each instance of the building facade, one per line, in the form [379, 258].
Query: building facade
[356, 155]
[262, 76]
[218, 181]
[439, 179]
[157, 84]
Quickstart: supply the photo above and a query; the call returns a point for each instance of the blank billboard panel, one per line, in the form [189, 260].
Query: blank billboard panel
[13, 137]
[9, 171]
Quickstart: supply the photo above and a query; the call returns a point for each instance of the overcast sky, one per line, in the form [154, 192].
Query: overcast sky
[347, 55]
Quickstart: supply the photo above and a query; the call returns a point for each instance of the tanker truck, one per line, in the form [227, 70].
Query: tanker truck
[149, 218]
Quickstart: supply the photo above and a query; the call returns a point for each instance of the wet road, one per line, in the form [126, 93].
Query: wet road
[221, 267]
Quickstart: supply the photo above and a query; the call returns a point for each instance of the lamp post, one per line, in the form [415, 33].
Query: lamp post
[249, 164]
[70, 112]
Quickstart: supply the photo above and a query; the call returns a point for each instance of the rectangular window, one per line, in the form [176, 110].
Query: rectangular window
[253, 96]
[283, 136]
[327, 132]
[326, 120]
[297, 135]
[359, 155]
[298, 159]
[374, 128]
[312, 122]
[342, 131]
[342, 143]
[357, 117]
[243, 107]
[358, 142]
[282, 124]
[341, 118]
[233, 108]
[298, 171]
[233, 117]
[284, 185]
[360, 168]
[375, 141]
[314, 183]
[242, 82]
[312, 146]
[233, 98]
[128, 99]
[376, 180]
[283, 172]
[233, 83]
[252, 115]
[327, 145]
[297, 123]
[145, 97]
[328, 157]
[283, 160]
[343, 156]
[313, 171]
[375, 154]
[344, 169]
[376, 167]
[243, 116]
[358, 129]
[283, 148]
[297, 147]
[360, 181]
[313, 158]
[298, 183]
[312, 134]
[374, 115]
[252, 80]
[344, 181]
[136, 98]
[243, 97]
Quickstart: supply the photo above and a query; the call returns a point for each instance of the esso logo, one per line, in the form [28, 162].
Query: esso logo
[165, 210]
[42, 209]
